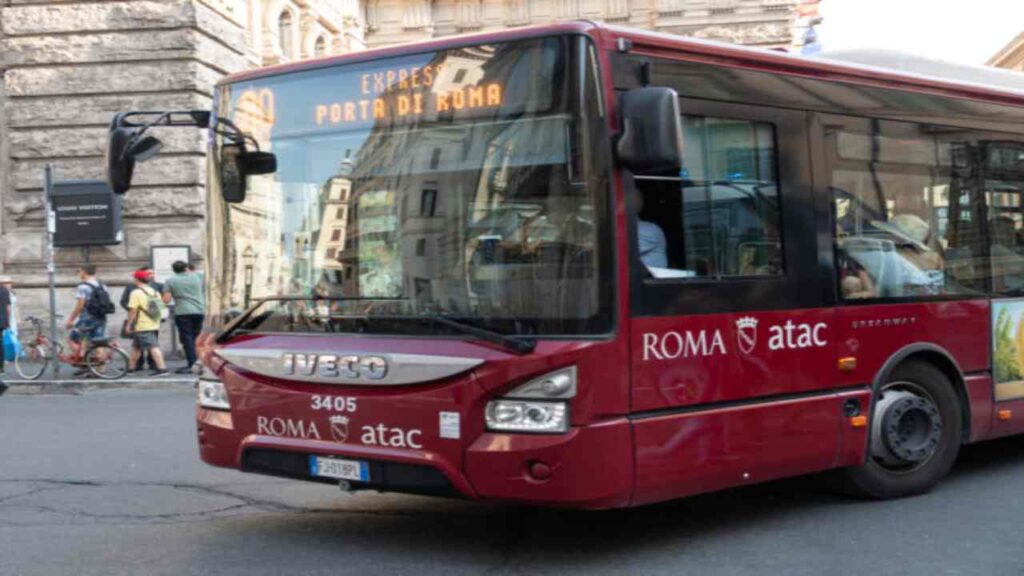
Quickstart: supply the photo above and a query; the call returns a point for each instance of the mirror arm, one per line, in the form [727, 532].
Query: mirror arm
[235, 134]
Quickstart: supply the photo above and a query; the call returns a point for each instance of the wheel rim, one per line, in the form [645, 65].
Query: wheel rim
[907, 428]
[107, 362]
[31, 363]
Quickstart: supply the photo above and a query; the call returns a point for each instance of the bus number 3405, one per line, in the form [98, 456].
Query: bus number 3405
[334, 403]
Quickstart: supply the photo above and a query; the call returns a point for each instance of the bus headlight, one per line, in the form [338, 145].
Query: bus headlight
[540, 405]
[212, 393]
[509, 415]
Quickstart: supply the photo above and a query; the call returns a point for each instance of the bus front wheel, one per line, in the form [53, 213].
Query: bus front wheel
[916, 428]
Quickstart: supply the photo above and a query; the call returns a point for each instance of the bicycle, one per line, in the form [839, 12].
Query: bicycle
[102, 357]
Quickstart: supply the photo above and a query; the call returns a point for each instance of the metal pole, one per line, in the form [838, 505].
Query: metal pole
[51, 271]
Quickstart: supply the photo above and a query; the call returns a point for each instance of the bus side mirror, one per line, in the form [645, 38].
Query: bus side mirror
[124, 148]
[652, 130]
[236, 163]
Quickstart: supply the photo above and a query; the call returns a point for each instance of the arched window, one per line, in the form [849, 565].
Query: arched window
[285, 32]
[320, 47]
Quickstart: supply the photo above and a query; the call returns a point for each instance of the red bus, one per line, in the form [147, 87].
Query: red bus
[588, 266]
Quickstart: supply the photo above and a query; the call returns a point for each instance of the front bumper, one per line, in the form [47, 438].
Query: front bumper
[590, 467]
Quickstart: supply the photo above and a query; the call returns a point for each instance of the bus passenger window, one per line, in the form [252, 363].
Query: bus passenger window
[730, 198]
[906, 222]
[720, 216]
[1004, 191]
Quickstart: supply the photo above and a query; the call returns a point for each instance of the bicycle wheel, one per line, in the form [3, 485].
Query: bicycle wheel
[32, 361]
[106, 361]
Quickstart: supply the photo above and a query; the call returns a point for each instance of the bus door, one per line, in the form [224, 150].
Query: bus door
[733, 360]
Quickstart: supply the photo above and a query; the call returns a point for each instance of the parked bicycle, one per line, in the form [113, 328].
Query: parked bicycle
[102, 357]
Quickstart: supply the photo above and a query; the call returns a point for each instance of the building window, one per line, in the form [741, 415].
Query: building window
[435, 158]
[320, 47]
[331, 252]
[428, 202]
[285, 33]
[460, 75]
[340, 213]
[335, 234]
[421, 247]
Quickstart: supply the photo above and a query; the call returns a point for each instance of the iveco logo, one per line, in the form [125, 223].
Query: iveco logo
[335, 366]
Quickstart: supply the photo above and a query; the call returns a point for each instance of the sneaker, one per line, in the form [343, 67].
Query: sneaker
[185, 370]
[81, 372]
[158, 373]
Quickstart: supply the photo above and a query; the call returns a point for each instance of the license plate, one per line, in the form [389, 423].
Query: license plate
[338, 468]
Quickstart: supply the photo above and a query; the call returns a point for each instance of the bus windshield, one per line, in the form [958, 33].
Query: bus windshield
[460, 182]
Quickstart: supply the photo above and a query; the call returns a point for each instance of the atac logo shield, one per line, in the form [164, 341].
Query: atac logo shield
[746, 334]
[339, 428]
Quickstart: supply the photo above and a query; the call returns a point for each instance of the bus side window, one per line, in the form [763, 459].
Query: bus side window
[906, 223]
[720, 217]
[730, 198]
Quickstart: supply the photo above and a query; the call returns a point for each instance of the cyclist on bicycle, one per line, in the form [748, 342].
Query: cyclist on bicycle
[88, 321]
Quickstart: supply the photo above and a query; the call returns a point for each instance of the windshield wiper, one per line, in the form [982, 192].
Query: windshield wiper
[236, 324]
[514, 343]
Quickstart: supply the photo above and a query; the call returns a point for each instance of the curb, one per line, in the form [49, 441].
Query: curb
[74, 387]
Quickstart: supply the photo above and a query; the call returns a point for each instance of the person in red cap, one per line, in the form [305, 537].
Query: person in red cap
[145, 360]
[145, 307]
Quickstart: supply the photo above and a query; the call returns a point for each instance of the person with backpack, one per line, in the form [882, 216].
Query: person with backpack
[144, 359]
[185, 289]
[145, 307]
[88, 321]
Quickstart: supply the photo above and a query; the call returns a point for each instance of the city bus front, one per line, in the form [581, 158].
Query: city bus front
[422, 297]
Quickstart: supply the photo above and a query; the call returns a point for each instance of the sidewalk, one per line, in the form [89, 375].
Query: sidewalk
[65, 383]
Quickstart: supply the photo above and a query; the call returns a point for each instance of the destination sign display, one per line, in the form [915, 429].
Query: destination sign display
[473, 83]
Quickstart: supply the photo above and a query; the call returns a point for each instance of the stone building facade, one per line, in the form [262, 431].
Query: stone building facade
[69, 65]
[1010, 56]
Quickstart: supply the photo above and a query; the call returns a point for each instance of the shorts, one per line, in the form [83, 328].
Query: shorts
[146, 340]
[88, 329]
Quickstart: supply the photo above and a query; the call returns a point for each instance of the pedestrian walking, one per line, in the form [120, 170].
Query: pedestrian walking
[5, 321]
[8, 283]
[88, 320]
[144, 310]
[185, 288]
[144, 359]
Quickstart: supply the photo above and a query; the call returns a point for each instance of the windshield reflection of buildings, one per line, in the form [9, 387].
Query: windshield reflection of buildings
[254, 250]
[332, 235]
[428, 172]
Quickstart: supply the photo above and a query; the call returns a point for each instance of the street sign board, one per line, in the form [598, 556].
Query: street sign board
[163, 257]
[86, 213]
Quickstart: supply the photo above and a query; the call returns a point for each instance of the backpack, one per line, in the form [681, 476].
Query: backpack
[154, 305]
[99, 304]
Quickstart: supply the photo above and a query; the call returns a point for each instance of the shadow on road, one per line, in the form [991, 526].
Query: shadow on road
[531, 538]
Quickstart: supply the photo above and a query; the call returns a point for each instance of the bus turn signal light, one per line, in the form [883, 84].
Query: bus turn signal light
[1005, 415]
[859, 421]
[847, 364]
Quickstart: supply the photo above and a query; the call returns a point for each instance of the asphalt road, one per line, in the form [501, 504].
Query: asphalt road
[110, 483]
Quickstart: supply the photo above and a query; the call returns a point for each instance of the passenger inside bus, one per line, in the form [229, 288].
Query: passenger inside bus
[650, 238]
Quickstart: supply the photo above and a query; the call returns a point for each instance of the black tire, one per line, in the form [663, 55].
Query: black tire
[32, 362]
[106, 362]
[878, 479]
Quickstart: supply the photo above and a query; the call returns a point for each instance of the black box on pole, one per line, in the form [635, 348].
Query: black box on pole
[87, 213]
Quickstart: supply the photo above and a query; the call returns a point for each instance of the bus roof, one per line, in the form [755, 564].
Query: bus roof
[876, 67]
